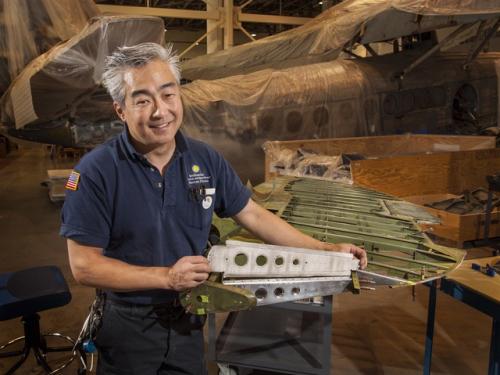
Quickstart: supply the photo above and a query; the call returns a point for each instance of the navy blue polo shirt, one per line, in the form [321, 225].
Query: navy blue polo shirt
[123, 205]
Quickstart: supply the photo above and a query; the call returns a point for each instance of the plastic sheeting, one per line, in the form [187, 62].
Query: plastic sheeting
[30, 28]
[324, 37]
[238, 114]
[66, 80]
[301, 162]
[341, 98]
[448, 7]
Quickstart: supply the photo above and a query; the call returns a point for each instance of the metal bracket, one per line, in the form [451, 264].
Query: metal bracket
[479, 44]
[450, 38]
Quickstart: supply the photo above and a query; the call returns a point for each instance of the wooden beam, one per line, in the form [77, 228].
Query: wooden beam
[228, 24]
[264, 18]
[160, 12]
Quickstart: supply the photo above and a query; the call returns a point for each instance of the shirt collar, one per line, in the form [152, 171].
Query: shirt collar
[180, 143]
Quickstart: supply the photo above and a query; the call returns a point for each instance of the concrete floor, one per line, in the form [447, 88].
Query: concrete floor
[380, 332]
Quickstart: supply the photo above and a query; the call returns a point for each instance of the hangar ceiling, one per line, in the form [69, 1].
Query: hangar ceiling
[288, 8]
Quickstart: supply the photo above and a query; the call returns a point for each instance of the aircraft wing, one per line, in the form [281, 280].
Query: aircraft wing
[324, 37]
[248, 274]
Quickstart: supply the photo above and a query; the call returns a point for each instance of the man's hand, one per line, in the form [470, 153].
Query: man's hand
[188, 272]
[349, 248]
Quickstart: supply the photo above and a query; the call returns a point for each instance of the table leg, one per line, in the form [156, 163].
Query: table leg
[431, 313]
[494, 366]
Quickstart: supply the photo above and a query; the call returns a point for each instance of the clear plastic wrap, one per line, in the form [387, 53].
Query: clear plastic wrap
[448, 7]
[294, 103]
[30, 28]
[302, 162]
[65, 81]
[324, 37]
[318, 40]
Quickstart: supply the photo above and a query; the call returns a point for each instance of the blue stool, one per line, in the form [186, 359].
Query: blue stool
[23, 294]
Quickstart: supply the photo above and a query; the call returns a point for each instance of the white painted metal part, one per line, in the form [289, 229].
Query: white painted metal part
[244, 259]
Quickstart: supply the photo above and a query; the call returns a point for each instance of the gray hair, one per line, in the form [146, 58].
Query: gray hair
[136, 56]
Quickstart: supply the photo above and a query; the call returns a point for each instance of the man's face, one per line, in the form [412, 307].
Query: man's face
[153, 108]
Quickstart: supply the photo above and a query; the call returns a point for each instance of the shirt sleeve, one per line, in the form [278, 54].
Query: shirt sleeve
[86, 214]
[232, 195]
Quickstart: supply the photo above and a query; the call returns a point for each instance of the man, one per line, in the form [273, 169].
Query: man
[137, 217]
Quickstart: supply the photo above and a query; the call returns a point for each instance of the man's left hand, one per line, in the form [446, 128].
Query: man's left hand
[358, 252]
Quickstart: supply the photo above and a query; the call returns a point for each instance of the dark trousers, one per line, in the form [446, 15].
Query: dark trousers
[144, 340]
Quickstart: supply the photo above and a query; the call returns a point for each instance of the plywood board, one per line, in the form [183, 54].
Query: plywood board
[487, 286]
[441, 173]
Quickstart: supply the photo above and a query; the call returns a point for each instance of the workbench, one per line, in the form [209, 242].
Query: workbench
[477, 290]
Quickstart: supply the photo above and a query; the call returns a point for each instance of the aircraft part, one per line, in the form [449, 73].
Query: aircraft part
[465, 106]
[341, 98]
[271, 291]
[213, 296]
[337, 28]
[251, 274]
[399, 253]
[90, 134]
[57, 98]
[65, 81]
[407, 210]
[242, 259]
[335, 212]
[30, 28]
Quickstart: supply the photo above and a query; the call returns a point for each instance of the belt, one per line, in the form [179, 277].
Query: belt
[168, 304]
[170, 314]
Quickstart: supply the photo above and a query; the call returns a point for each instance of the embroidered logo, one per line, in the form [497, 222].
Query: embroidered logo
[72, 183]
[197, 176]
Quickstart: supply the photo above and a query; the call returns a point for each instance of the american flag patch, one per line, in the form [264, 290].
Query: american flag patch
[73, 179]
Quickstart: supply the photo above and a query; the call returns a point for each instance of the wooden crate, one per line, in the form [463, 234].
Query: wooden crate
[457, 228]
[381, 147]
[419, 168]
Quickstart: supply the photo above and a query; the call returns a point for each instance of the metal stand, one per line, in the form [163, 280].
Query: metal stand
[36, 342]
[431, 314]
[291, 338]
[493, 186]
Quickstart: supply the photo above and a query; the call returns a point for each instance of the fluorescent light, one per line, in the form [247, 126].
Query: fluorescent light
[254, 34]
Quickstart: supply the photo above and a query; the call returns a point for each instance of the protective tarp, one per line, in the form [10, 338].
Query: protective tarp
[30, 28]
[448, 7]
[65, 81]
[293, 103]
[238, 114]
[341, 98]
[324, 37]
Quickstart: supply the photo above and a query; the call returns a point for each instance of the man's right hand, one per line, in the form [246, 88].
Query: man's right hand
[188, 272]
